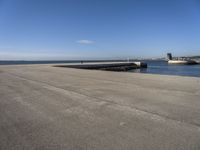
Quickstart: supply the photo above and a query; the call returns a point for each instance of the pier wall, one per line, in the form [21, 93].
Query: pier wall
[110, 66]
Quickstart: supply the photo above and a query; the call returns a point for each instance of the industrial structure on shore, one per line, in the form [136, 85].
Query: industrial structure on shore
[180, 60]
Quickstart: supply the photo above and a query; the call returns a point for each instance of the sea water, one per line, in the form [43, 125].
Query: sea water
[154, 67]
[162, 67]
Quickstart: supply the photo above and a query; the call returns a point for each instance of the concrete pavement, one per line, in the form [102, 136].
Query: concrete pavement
[55, 108]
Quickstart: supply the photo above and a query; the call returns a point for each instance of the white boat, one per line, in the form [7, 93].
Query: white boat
[182, 62]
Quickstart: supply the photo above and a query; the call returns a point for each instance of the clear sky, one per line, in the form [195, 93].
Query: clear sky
[91, 29]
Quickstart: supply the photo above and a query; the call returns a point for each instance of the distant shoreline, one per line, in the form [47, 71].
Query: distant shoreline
[21, 62]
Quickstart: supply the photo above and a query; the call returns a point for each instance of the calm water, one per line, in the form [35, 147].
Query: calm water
[162, 67]
[154, 67]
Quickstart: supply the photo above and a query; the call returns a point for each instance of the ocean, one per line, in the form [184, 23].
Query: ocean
[154, 67]
[162, 67]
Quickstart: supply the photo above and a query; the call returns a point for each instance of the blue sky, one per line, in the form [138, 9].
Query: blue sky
[98, 29]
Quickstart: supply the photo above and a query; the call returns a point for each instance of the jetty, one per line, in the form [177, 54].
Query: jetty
[61, 108]
[110, 66]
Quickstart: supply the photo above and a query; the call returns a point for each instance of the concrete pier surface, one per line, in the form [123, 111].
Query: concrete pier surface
[54, 108]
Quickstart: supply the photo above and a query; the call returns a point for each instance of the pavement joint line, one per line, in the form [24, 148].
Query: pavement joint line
[115, 103]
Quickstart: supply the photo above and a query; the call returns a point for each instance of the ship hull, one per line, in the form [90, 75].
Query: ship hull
[182, 62]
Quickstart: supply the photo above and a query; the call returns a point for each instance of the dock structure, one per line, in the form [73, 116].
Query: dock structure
[196, 60]
[110, 66]
[57, 108]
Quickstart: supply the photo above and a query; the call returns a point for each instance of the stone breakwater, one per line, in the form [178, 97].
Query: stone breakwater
[109, 66]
